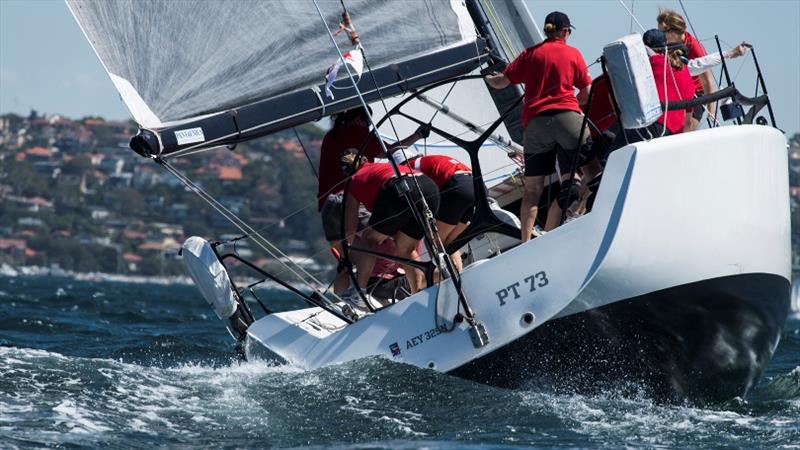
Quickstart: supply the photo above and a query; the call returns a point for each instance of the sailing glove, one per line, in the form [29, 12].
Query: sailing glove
[424, 131]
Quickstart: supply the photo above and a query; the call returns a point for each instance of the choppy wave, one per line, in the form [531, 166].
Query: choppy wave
[120, 365]
[50, 398]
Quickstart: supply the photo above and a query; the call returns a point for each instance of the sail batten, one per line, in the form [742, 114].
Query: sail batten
[177, 59]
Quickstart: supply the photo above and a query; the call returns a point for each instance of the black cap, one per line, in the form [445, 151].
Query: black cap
[558, 19]
[655, 39]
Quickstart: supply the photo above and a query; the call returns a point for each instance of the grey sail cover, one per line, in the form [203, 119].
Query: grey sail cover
[173, 60]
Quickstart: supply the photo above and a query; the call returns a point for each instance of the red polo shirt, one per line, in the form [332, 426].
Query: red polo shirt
[369, 179]
[679, 87]
[696, 50]
[601, 111]
[551, 71]
[439, 167]
[334, 144]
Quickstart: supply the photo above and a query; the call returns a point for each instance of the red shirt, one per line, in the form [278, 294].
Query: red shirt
[369, 179]
[334, 144]
[679, 87]
[439, 167]
[551, 71]
[696, 50]
[601, 112]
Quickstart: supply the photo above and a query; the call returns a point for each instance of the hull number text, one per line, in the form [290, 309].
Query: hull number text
[529, 284]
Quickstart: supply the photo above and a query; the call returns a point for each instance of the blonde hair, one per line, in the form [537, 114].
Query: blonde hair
[670, 20]
[349, 159]
[675, 60]
[551, 31]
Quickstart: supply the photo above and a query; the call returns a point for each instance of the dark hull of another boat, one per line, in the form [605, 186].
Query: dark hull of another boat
[707, 341]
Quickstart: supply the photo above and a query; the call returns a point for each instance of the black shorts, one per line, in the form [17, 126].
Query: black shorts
[699, 110]
[391, 213]
[457, 200]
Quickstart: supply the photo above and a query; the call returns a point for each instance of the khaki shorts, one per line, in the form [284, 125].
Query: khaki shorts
[550, 135]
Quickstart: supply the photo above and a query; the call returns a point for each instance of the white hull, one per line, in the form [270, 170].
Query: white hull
[672, 212]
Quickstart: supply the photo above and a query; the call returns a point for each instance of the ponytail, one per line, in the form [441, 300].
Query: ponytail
[676, 59]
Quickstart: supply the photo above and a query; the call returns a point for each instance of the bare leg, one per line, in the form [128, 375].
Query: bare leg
[534, 186]
[407, 248]
[450, 237]
[555, 211]
[366, 261]
[342, 280]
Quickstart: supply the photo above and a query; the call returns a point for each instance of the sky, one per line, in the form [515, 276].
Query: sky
[46, 64]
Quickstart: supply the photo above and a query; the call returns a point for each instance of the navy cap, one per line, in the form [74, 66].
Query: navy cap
[558, 19]
[655, 39]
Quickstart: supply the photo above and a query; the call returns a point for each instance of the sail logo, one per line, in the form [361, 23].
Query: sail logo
[190, 136]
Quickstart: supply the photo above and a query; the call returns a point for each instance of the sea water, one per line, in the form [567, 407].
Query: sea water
[124, 365]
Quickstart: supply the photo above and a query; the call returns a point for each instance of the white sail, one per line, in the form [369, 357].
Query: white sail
[177, 60]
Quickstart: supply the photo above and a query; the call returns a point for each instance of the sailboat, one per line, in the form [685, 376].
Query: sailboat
[668, 281]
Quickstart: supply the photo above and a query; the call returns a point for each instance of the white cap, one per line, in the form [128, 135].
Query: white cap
[403, 154]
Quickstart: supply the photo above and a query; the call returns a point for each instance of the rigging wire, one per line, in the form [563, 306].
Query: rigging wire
[428, 222]
[313, 169]
[260, 240]
[633, 17]
[630, 29]
[685, 14]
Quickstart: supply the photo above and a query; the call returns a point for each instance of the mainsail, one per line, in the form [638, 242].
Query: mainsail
[183, 62]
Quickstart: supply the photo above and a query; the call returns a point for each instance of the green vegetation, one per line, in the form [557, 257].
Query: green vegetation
[81, 200]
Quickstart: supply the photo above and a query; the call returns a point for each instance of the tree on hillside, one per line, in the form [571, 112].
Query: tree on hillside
[794, 141]
[79, 165]
[25, 180]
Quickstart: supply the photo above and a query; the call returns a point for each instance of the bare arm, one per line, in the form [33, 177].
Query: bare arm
[583, 95]
[350, 217]
[498, 81]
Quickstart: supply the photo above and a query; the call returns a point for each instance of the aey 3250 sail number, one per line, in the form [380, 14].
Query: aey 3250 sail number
[537, 280]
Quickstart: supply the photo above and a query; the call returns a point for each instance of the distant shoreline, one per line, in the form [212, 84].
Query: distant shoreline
[33, 271]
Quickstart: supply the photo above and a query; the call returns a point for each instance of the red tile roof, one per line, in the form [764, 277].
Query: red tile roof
[133, 234]
[18, 244]
[228, 173]
[150, 246]
[39, 151]
[131, 257]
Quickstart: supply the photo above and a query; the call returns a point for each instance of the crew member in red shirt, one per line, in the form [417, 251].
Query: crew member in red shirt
[456, 192]
[551, 115]
[673, 84]
[350, 131]
[374, 186]
[674, 27]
